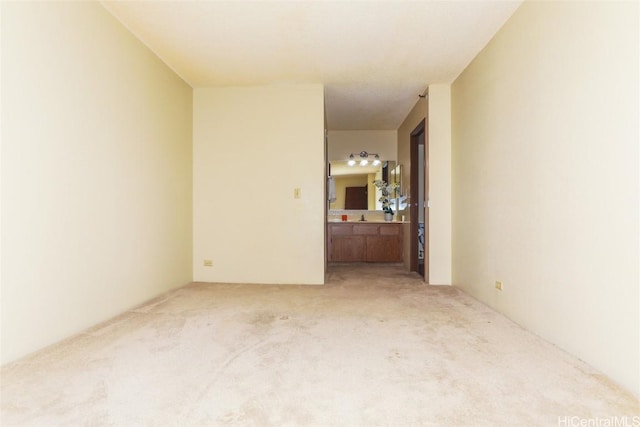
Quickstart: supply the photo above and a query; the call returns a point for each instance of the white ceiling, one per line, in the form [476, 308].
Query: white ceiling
[374, 57]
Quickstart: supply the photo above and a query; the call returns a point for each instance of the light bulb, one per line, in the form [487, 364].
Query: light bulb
[376, 162]
[364, 162]
[352, 161]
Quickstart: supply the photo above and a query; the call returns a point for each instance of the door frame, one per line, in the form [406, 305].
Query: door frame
[421, 129]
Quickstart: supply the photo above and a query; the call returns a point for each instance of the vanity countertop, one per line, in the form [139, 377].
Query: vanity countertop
[373, 221]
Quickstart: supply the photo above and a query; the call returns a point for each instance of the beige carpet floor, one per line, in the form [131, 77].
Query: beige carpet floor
[374, 347]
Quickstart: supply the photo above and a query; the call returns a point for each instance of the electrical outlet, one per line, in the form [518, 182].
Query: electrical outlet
[208, 263]
[498, 285]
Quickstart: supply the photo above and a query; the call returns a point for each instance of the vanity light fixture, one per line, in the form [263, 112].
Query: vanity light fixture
[364, 159]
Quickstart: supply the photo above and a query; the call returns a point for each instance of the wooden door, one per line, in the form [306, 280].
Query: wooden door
[356, 198]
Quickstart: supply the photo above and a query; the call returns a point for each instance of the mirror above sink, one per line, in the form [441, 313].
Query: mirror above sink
[355, 190]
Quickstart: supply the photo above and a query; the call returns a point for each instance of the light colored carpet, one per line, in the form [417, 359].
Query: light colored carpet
[373, 347]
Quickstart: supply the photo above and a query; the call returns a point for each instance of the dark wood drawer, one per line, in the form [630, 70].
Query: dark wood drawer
[365, 229]
[341, 229]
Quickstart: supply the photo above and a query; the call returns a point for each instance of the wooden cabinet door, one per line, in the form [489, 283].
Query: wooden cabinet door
[386, 246]
[347, 248]
[384, 249]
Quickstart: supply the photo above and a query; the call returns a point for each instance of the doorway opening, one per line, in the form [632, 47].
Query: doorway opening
[419, 214]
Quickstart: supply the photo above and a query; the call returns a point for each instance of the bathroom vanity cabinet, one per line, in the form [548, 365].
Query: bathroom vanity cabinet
[365, 242]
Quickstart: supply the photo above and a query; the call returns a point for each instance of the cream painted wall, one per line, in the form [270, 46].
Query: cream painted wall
[96, 173]
[545, 179]
[438, 130]
[270, 139]
[341, 143]
[439, 184]
[1, 222]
